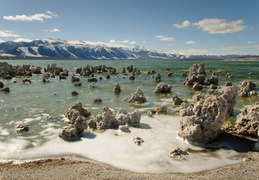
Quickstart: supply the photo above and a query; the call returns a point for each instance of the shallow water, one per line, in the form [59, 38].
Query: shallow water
[42, 107]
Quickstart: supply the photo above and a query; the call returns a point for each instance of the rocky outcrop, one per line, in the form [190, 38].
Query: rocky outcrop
[197, 74]
[137, 97]
[78, 123]
[247, 122]
[229, 93]
[108, 120]
[202, 118]
[247, 88]
[163, 88]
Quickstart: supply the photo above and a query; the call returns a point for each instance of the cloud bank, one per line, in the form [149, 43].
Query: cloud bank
[7, 34]
[215, 26]
[36, 17]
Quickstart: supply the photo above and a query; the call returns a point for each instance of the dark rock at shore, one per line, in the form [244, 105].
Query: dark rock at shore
[21, 128]
[177, 101]
[1, 84]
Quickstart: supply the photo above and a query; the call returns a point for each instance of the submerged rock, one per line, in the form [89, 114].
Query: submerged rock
[159, 110]
[137, 97]
[178, 154]
[97, 100]
[157, 77]
[138, 140]
[202, 119]
[117, 88]
[5, 89]
[74, 93]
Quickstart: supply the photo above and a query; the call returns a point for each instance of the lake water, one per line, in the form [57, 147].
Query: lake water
[42, 106]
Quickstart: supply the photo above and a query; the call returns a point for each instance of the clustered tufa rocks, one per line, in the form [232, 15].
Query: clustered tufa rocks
[202, 119]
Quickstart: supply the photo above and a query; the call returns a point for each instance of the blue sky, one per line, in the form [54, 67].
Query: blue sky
[179, 26]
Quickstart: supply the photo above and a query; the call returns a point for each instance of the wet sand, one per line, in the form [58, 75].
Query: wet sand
[64, 168]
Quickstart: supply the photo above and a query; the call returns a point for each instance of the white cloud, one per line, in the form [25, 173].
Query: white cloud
[54, 30]
[7, 34]
[185, 24]
[22, 40]
[220, 26]
[164, 38]
[251, 42]
[1, 41]
[35, 17]
[215, 26]
[113, 41]
[190, 42]
[126, 41]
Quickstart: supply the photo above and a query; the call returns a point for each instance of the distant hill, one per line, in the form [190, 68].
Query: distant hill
[61, 49]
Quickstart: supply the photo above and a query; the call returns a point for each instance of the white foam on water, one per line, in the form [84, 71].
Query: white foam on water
[117, 148]
[4, 132]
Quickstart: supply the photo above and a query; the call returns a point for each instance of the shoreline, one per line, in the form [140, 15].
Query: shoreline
[68, 168]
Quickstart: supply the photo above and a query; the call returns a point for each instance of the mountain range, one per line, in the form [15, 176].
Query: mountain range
[61, 49]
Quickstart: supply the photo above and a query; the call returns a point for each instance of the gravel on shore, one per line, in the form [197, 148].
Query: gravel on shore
[65, 168]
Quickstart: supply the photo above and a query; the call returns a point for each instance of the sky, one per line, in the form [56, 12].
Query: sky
[177, 26]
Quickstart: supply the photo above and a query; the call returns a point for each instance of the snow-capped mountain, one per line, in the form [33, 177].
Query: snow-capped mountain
[60, 49]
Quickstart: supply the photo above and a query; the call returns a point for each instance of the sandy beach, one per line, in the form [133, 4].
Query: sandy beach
[64, 168]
